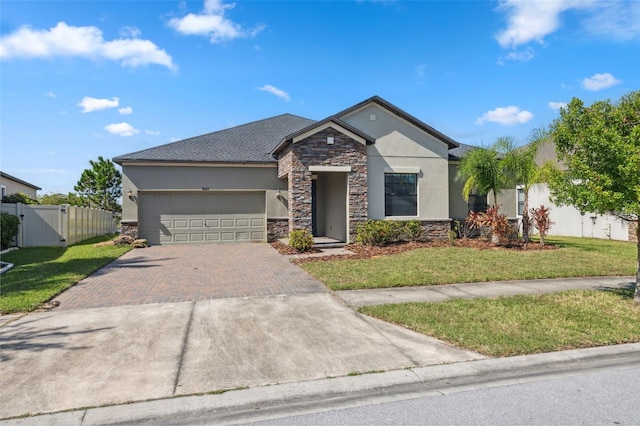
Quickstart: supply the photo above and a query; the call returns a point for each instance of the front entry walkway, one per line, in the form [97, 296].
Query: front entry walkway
[180, 273]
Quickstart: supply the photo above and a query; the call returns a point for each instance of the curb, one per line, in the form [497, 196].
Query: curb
[319, 395]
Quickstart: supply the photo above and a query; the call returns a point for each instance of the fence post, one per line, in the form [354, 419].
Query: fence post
[20, 236]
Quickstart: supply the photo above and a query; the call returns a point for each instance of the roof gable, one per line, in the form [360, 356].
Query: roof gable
[333, 122]
[400, 113]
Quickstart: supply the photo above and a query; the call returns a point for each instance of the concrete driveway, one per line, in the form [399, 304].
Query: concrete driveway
[70, 358]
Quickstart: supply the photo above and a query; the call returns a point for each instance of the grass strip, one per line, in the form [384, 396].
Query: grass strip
[41, 273]
[523, 324]
[576, 257]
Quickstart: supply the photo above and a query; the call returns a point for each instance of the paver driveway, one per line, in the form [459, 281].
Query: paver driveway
[162, 274]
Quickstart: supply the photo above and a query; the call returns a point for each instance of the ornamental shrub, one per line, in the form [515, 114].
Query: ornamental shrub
[8, 229]
[301, 240]
[385, 232]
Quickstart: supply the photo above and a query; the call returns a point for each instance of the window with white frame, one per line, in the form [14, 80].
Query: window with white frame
[3, 191]
[520, 192]
[400, 194]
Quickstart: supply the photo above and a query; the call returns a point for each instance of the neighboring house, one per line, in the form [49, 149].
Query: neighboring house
[569, 221]
[258, 181]
[11, 185]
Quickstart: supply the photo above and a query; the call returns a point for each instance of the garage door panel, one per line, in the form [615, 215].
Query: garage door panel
[210, 217]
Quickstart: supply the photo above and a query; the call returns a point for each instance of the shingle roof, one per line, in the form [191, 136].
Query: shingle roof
[458, 152]
[247, 143]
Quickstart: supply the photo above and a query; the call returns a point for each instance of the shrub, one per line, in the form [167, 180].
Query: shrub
[385, 232]
[18, 197]
[301, 240]
[496, 222]
[378, 232]
[8, 228]
[412, 230]
[541, 221]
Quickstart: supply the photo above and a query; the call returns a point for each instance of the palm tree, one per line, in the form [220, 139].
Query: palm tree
[520, 167]
[482, 171]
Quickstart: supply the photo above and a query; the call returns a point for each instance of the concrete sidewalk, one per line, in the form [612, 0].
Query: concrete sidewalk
[493, 289]
[281, 400]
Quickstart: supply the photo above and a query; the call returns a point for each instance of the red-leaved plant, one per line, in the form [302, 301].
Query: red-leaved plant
[540, 217]
[496, 222]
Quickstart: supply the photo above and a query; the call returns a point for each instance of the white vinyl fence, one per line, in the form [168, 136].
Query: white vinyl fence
[61, 225]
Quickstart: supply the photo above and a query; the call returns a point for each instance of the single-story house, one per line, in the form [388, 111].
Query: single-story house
[12, 185]
[260, 180]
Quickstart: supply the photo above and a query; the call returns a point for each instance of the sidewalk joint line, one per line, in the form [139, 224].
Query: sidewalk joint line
[185, 340]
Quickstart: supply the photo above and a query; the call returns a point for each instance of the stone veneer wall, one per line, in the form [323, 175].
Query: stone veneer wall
[277, 228]
[130, 229]
[294, 163]
[436, 229]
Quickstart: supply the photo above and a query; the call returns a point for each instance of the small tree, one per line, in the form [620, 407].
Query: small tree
[600, 148]
[521, 168]
[541, 221]
[101, 185]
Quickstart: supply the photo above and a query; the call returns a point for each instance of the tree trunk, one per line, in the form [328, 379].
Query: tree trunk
[636, 296]
[541, 238]
[525, 216]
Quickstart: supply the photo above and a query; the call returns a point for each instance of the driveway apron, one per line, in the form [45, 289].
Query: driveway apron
[180, 273]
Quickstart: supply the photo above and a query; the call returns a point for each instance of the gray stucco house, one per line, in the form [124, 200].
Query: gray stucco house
[258, 181]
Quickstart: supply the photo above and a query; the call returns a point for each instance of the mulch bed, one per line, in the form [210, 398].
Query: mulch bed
[367, 252]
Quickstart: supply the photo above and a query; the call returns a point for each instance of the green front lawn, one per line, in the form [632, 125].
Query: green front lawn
[41, 273]
[576, 257]
[523, 324]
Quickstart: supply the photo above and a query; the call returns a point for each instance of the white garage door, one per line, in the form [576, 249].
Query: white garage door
[202, 217]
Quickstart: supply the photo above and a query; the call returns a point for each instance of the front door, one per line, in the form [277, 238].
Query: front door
[329, 205]
[314, 207]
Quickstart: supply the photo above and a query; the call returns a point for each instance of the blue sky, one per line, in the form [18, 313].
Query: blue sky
[82, 79]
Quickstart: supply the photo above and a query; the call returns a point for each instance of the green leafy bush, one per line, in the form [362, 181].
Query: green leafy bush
[412, 230]
[8, 228]
[18, 197]
[385, 232]
[301, 240]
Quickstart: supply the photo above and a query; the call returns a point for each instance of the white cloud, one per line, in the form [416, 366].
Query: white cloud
[122, 129]
[152, 132]
[521, 56]
[90, 104]
[599, 81]
[50, 94]
[505, 116]
[615, 19]
[212, 23]
[274, 90]
[130, 32]
[557, 105]
[125, 110]
[86, 42]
